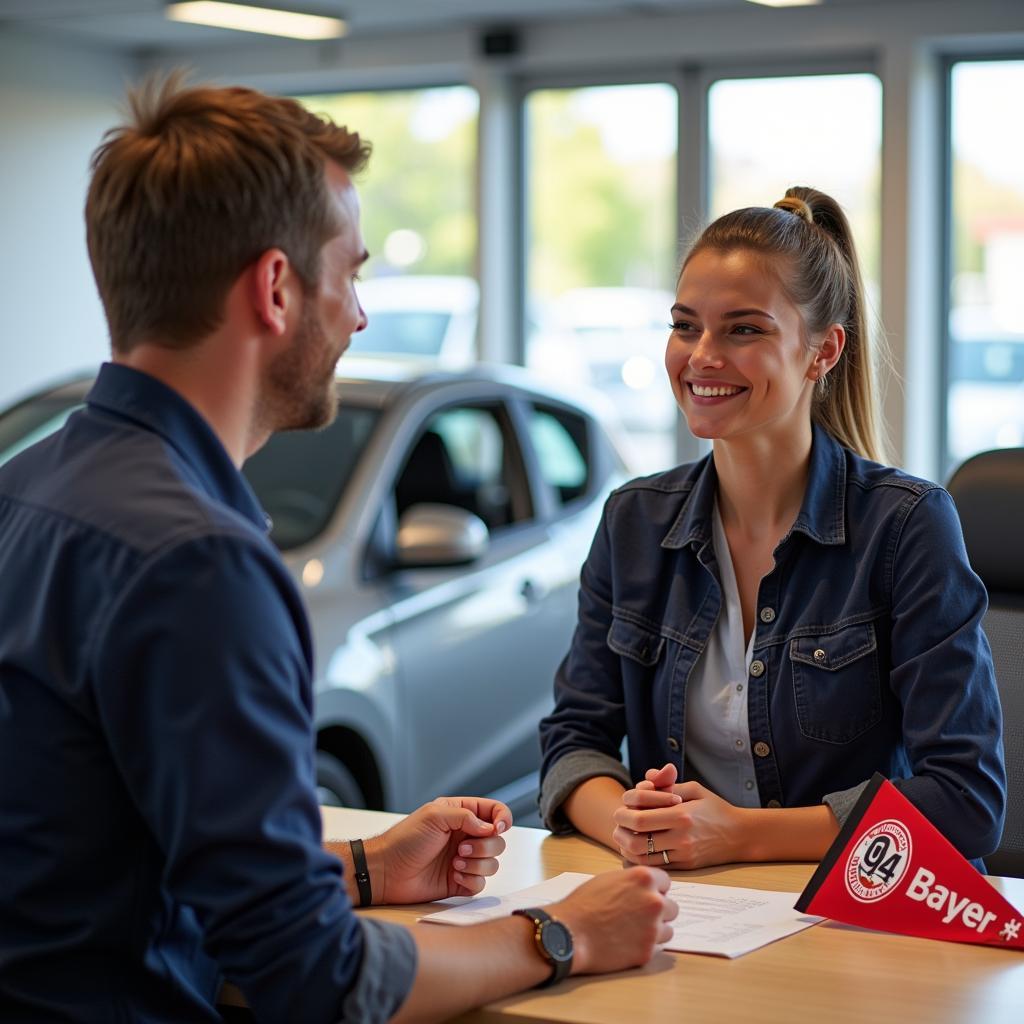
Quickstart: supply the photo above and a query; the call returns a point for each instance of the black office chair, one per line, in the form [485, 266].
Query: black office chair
[989, 493]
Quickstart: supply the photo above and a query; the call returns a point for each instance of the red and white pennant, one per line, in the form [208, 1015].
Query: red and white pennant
[891, 869]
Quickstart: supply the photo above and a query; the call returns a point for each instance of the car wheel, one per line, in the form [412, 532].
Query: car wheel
[336, 786]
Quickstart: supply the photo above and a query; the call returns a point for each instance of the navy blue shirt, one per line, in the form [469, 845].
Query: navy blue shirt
[868, 649]
[158, 821]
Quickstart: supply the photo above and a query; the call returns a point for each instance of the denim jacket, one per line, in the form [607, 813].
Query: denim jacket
[868, 650]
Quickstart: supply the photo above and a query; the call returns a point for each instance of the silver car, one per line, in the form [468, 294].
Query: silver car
[437, 529]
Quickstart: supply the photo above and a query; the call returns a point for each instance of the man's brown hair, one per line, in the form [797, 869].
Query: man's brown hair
[190, 191]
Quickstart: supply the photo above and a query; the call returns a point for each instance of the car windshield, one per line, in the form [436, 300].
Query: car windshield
[299, 477]
[409, 332]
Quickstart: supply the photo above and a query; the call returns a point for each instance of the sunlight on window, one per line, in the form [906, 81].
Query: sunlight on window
[985, 400]
[824, 131]
[602, 250]
[419, 219]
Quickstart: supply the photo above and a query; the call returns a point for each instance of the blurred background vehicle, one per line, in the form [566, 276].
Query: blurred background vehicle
[620, 335]
[614, 340]
[436, 529]
[985, 408]
[610, 339]
[430, 317]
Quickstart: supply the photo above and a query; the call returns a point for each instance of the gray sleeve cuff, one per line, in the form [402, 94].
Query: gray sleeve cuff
[565, 775]
[843, 802]
[385, 975]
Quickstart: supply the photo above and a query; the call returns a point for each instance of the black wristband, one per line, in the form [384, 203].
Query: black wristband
[362, 872]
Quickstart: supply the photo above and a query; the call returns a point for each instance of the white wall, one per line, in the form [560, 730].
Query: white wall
[55, 103]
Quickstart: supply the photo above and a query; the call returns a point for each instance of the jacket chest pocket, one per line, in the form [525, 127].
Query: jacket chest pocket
[836, 683]
[640, 649]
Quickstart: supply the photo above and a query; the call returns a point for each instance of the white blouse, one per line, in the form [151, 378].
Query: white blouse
[717, 735]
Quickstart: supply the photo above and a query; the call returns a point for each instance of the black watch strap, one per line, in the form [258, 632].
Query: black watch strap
[557, 953]
[362, 872]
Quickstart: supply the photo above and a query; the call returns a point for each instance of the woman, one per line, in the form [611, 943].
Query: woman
[773, 624]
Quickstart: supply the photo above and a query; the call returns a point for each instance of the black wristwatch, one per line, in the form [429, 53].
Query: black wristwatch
[554, 942]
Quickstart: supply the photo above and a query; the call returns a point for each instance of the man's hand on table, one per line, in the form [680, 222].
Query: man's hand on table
[618, 919]
[445, 848]
[450, 846]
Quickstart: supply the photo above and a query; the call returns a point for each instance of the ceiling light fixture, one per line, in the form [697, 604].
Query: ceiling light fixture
[786, 3]
[265, 20]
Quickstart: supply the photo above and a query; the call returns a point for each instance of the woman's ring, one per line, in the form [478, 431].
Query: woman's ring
[664, 855]
[650, 844]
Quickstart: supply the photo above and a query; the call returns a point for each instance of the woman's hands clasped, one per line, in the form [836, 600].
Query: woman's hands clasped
[677, 825]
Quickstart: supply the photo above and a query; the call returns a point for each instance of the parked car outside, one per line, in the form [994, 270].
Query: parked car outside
[986, 385]
[437, 529]
[609, 339]
[620, 335]
[426, 317]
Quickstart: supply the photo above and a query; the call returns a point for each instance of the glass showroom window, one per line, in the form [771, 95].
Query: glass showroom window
[825, 131]
[601, 250]
[419, 219]
[985, 396]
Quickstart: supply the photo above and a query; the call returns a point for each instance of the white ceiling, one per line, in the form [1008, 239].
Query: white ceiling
[134, 26]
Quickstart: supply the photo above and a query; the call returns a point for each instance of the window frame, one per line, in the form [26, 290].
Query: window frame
[853, 63]
[949, 60]
[913, 67]
[692, 82]
[416, 85]
[678, 77]
[524, 86]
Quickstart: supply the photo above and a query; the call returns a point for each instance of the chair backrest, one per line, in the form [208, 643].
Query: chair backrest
[989, 493]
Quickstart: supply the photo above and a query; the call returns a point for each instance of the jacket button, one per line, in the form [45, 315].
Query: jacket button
[767, 614]
[757, 668]
[762, 749]
[673, 743]
[819, 655]
[774, 803]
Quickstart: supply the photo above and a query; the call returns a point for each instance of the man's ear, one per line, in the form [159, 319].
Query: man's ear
[828, 351]
[271, 283]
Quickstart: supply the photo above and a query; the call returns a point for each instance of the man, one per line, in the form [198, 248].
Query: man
[159, 832]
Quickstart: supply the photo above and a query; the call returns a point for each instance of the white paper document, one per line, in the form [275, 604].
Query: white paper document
[720, 920]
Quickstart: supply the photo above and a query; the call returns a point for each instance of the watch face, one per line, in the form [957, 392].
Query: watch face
[557, 941]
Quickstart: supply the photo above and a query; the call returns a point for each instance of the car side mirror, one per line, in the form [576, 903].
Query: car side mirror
[437, 535]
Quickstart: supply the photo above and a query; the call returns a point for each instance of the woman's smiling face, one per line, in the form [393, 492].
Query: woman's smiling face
[737, 358]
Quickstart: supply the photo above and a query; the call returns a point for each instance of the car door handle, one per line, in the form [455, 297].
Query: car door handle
[532, 592]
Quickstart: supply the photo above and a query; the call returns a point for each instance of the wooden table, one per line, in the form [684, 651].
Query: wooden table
[830, 973]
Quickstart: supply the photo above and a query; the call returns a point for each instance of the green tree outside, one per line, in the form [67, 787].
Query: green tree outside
[420, 177]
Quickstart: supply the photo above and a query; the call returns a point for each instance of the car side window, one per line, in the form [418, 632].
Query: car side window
[560, 441]
[466, 456]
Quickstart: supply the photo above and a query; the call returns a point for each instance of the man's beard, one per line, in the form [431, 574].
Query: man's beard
[299, 391]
